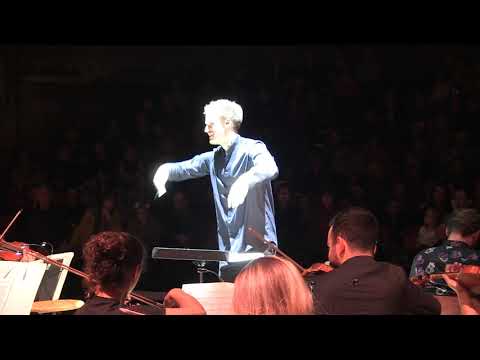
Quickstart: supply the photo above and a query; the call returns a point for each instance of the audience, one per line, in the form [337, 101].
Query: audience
[349, 126]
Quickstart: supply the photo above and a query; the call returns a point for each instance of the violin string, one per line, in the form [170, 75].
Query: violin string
[5, 245]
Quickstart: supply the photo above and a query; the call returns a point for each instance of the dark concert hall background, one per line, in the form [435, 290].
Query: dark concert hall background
[392, 128]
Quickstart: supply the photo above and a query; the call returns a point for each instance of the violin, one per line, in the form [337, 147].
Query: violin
[135, 308]
[18, 251]
[315, 269]
[467, 276]
[318, 268]
[15, 250]
[27, 253]
[12, 255]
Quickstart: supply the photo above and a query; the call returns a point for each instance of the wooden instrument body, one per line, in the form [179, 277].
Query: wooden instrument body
[467, 276]
[9, 255]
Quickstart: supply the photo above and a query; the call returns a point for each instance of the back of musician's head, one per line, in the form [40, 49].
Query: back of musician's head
[271, 286]
[465, 222]
[358, 226]
[111, 259]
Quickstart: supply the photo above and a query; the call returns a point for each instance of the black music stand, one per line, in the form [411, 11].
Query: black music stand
[199, 257]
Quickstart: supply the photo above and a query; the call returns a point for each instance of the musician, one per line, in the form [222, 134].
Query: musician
[463, 233]
[113, 262]
[240, 170]
[271, 286]
[359, 284]
[467, 302]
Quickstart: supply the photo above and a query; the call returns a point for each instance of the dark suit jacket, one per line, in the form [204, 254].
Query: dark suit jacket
[363, 286]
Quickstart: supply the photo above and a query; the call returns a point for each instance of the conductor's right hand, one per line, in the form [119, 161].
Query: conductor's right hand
[160, 179]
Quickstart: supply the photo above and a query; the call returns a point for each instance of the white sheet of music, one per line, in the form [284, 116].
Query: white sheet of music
[240, 257]
[19, 282]
[216, 297]
[5, 286]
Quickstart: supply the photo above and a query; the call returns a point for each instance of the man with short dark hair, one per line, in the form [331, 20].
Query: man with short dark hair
[463, 234]
[359, 285]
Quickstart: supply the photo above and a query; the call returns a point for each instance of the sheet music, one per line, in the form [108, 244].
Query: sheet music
[216, 298]
[19, 283]
[241, 257]
[5, 286]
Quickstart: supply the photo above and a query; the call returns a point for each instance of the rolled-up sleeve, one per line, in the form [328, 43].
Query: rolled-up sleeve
[196, 167]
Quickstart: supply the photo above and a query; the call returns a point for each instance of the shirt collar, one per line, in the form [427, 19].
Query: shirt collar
[360, 259]
[235, 140]
[456, 243]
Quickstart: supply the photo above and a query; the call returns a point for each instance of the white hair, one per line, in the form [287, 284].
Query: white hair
[227, 109]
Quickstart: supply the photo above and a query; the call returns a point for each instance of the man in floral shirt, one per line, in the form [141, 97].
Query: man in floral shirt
[463, 233]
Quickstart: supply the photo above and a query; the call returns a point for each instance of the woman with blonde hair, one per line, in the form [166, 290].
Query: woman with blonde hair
[271, 286]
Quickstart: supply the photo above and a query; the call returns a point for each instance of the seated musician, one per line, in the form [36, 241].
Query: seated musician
[113, 261]
[467, 302]
[271, 286]
[463, 233]
[359, 284]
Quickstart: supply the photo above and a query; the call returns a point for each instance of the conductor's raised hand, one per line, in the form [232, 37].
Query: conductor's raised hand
[160, 179]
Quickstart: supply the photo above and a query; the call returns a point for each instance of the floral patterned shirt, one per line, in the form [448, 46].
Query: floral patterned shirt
[434, 259]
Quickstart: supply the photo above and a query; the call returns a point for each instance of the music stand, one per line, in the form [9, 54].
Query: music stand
[19, 282]
[54, 278]
[200, 257]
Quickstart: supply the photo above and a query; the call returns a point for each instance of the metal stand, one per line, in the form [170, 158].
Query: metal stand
[200, 264]
[200, 257]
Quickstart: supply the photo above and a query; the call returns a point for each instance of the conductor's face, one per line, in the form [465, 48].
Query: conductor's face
[216, 129]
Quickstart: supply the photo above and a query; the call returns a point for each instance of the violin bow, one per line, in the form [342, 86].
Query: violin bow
[11, 223]
[275, 247]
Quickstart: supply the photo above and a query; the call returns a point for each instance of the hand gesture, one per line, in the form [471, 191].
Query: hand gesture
[160, 179]
[238, 193]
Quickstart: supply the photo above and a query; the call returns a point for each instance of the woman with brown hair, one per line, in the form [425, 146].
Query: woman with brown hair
[113, 261]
